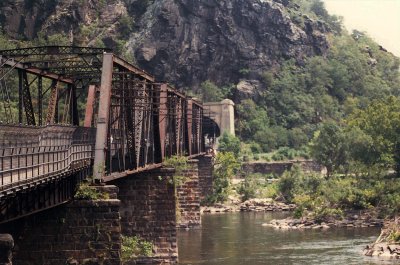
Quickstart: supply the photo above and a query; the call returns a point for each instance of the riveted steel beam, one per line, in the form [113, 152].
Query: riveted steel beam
[103, 117]
[90, 106]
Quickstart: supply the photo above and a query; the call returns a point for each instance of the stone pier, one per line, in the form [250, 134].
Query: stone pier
[188, 204]
[146, 205]
[79, 232]
[6, 247]
[206, 167]
[148, 211]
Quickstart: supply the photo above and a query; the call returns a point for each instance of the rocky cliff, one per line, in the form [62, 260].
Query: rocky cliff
[184, 42]
[188, 41]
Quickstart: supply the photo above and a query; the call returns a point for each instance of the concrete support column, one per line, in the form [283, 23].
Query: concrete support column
[6, 246]
[188, 204]
[148, 211]
[206, 168]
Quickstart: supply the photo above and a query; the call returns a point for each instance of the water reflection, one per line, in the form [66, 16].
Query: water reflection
[239, 238]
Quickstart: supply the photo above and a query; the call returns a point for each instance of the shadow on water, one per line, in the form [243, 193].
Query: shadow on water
[240, 238]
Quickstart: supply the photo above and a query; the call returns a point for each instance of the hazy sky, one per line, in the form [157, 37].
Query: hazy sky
[379, 18]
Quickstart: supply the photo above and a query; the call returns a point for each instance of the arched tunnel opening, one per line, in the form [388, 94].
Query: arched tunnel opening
[211, 132]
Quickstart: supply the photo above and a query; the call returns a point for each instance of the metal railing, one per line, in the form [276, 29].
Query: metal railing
[28, 154]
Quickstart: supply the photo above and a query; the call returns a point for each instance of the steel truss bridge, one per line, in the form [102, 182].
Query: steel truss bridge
[69, 113]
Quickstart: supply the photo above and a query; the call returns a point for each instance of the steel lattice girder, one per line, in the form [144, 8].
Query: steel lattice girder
[54, 50]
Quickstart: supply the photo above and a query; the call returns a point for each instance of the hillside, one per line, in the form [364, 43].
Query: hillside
[287, 64]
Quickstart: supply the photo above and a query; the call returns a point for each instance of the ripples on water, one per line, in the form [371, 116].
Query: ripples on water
[239, 239]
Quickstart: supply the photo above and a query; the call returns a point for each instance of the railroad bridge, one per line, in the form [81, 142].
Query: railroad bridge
[74, 114]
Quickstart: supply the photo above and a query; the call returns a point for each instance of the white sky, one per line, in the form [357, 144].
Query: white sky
[379, 18]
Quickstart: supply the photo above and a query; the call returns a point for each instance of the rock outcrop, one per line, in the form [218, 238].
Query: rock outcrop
[187, 42]
[184, 42]
[83, 22]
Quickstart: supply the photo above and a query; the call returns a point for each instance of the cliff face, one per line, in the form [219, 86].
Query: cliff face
[188, 41]
[184, 42]
[82, 21]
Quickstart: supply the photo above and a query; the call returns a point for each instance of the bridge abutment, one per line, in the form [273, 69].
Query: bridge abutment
[79, 232]
[148, 211]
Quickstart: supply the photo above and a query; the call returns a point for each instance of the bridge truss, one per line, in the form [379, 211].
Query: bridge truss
[68, 113]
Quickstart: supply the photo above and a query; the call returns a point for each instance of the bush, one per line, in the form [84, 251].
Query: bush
[270, 191]
[324, 214]
[135, 246]
[229, 143]
[87, 192]
[266, 158]
[255, 148]
[180, 164]
[249, 187]
[277, 157]
[225, 167]
[288, 183]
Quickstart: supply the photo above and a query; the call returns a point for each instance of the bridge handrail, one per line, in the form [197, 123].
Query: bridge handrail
[54, 161]
[45, 169]
[19, 164]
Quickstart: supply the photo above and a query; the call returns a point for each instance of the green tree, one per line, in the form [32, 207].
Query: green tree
[381, 122]
[210, 92]
[225, 167]
[229, 143]
[250, 119]
[328, 147]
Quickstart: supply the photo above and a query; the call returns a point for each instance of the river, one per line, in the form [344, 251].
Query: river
[240, 238]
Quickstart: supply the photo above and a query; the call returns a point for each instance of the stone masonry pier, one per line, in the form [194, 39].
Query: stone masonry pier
[148, 210]
[146, 205]
[80, 232]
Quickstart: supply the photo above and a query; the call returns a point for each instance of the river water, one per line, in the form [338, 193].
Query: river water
[240, 238]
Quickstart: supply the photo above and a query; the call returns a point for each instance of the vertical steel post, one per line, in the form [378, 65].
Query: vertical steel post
[20, 95]
[73, 108]
[89, 106]
[103, 117]
[189, 120]
[162, 118]
[52, 105]
[40, 100]
[27, 100]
